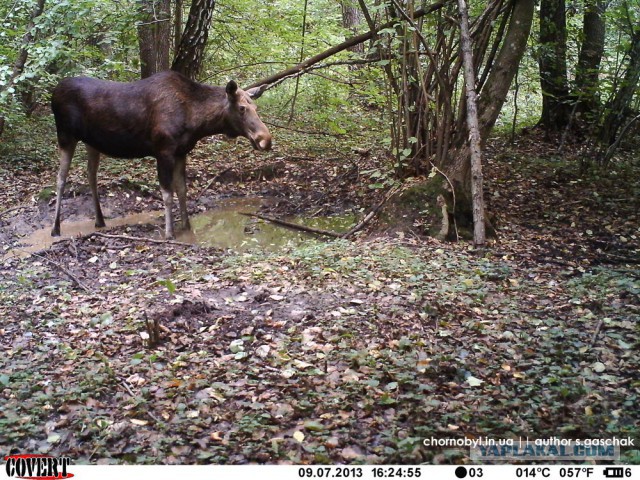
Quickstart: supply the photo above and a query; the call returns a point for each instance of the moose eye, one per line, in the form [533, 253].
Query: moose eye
[242, 109]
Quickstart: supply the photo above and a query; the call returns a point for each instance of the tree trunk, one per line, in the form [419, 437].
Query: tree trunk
[492, 96]
[154, 36]
[477, 197]
[588, 68]
[505, 67]
[177, 25]
[351, 18]
[553, 65]
[190, 53]
[617, 108]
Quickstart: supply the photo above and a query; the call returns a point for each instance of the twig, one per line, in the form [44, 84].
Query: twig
[595, 334]
[294, 226]
[612, 148]
[371, 214]
[303, 67]
[9, 210]
[133, 395]
[127, 388]
[216, 177]
[65, 271]
[139, 239]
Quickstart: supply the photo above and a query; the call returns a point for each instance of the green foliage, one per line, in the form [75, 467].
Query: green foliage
[92, 37]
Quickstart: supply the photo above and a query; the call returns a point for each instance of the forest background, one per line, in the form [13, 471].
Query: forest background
[409, 337]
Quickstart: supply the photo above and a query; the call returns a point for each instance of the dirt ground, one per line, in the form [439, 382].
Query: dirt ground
[126, 351]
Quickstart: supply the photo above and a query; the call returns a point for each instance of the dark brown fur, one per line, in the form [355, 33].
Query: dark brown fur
[162, 116]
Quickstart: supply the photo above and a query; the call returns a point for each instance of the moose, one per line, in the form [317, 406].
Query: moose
[162, 116]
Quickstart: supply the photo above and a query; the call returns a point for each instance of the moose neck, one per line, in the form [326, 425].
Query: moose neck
[210, 111]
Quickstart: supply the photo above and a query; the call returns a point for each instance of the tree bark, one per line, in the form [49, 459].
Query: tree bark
[154, 33]
[477, 197]
[588, 68]
[190, 53]
[505, 67]
[351, 18]
[493, 95]
[177, 25]
[553, 65]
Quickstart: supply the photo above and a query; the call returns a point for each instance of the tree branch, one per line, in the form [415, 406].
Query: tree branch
[303, 66]
[295, 226]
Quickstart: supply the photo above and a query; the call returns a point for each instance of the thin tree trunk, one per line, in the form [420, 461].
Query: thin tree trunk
[351, 18]
[477, 197]
[190, 53]
[506, 66]
[621, 101]
[177, 25]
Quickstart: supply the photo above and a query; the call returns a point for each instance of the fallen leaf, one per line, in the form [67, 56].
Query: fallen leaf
[474, 382]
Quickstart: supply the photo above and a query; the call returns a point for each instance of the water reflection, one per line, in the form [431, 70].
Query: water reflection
[222, 227]
[226, 227]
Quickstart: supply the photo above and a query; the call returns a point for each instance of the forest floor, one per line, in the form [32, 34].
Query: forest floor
[326, 352]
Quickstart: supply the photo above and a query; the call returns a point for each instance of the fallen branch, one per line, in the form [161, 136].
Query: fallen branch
[124, 384]
[139, 239]
[9, 210]
[294, 226]
[63, 270]
[595, 334]
[306, 132]
[369, 216]
[211, 182]
[616, 259]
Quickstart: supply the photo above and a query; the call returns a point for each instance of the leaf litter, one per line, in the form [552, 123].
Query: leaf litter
[339, 352]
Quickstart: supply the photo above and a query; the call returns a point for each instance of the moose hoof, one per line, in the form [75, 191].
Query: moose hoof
[55, 232]
[100, 224]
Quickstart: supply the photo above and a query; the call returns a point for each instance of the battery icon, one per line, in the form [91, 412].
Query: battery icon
[614, 472]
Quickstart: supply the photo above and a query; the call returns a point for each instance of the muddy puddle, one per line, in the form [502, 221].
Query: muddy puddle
[222, 227]
[226, 227]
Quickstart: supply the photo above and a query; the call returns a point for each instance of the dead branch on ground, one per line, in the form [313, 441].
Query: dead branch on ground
[294, 226]
[63, 270]
[138, 239]
[368, 217]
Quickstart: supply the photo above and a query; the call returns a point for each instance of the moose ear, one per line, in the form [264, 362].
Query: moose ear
[232, 88]
[257, 91]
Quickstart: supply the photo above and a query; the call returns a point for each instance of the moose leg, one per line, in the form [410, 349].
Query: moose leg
[66, 154]
[180, 187]
[165, 176]
[93, 162]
